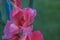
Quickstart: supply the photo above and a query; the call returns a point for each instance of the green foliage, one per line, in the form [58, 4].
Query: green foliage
[3, 11]
[48, 18]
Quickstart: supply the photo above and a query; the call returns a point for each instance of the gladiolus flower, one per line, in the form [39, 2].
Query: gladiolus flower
[21, 22]
[23, 17]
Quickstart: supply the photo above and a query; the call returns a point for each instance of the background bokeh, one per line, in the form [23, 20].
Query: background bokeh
[47, 19]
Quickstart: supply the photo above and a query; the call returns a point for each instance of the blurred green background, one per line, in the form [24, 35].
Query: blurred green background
[47, 19]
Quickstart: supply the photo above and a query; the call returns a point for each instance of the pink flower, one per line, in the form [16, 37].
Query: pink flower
[23, 17]
[20, 21]
[11, 32]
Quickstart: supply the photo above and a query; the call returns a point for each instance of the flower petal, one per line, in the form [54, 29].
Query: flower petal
[36, 36]
[10, 30]
[23, 37]
[33, 36]
[29, 15]
[6, 30]
[16, 3]
[27, 30]
[15, 11]
[16, 16]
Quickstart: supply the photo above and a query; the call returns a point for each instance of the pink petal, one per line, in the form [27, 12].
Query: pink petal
[6, 30]
[33, 36]
[15, 11]
[27, 30]
[14, 29]
[29, 15]
[16, 3]
[10, 30]
[31, 12]
[16, 16]
[23, 37]
[36, 36]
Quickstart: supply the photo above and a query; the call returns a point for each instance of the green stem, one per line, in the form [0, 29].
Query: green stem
[31, 3]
